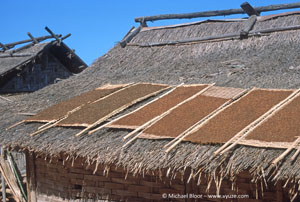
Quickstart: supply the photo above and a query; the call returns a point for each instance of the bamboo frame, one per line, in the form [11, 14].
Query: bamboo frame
[202, 122]
[107, 86]
[153, 121]
[16, 124]
[56, 122]
[117, 111]
[286, 152]
[109, 124]
[263, 144]
[296, 153]
[248, 129]
[47, 124]
[150, 121]
[148, 124]
[124, 87]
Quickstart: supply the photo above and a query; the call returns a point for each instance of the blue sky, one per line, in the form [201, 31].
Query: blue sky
[95, 25]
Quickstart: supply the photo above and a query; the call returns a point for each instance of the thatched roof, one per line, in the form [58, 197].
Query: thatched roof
[11, 62]
[267, 61]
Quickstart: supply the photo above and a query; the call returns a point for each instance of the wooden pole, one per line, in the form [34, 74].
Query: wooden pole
[32, 38]
[2, 179]
[216, 12]
[66, 36]
[220, 37]
[250, 23]
[53, 35]
[42, 38]
[249, 9]
[4, 47]
[130, 36]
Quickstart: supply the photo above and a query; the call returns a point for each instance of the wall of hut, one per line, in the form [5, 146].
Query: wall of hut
[40, 72]
[59, 180]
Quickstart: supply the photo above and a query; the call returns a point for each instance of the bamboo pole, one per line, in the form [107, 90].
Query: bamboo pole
[56, 122]
[156, 119]
[248, 129]
[47, 124]
[203, 123]
[206, 118]
[16, 124]
[135, 137]
[111, 122]
[117, 111]
[296, 154]
[286, 152]
[123, 88]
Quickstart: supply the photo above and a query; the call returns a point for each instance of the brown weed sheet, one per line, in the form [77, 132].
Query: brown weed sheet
[158, 107]
[283, 126]
[59, 110]
[91, 113]
[233, 119]
[184, 117]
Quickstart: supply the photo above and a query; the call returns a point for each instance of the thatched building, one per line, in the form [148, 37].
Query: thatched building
[36, 65]
[62, 167]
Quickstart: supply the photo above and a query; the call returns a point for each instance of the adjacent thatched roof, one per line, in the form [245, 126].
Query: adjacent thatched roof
[11, 63]
[267, 61]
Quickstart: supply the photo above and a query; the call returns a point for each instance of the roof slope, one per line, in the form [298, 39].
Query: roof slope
[266, 61]
[8, 62]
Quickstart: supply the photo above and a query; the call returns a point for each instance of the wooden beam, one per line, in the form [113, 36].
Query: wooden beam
[53, 35]
[66, 36]
[250, 24]
[216, 12]
[30, 176]
[4, 47]
[249, 9]
[130, 36]
[32, 38]
[220, 37]
[39, 39]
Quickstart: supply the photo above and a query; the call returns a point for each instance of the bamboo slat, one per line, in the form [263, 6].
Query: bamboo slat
[248, 129]
[16, 124]
[286, 152]
[56, 122]
[184, 134]
[111, 122]
[101, 120]
[153, 121]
